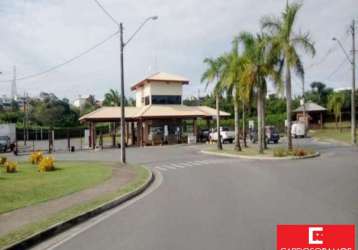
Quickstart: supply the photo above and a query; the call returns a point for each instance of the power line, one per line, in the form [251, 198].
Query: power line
[332, 49]
[337, 69]
[106, 12]
[65, 62]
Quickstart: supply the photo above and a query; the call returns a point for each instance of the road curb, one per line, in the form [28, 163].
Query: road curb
[261, 158]
[62, 226]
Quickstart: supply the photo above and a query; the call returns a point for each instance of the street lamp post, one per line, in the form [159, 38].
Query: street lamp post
[352, 62]
[123, 44]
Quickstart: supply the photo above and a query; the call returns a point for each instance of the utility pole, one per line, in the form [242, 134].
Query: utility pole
[352, 61]
[303, 103]
[353, 104]
[13, 85]
[25, 119]
[123, 150]
[123, 44]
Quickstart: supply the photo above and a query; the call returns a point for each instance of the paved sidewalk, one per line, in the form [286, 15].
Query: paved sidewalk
[15, 219]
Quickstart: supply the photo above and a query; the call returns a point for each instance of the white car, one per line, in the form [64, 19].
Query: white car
[225, 133]
[298, 129]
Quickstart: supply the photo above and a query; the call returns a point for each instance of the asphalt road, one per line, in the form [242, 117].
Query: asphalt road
[206, 202]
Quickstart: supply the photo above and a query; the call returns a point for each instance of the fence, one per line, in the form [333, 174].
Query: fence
[59, 139]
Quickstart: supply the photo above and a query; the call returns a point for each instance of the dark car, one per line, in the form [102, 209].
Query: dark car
[4, 143]
[203, 135]
[271, 135]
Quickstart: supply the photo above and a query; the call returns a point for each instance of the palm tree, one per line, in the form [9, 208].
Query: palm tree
[232, 68]
[285, 42]
[112, 98]
[335, 104]
[213, 74]
[258, 66]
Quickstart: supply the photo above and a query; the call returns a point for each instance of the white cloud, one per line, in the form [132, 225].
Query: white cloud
[37, 34]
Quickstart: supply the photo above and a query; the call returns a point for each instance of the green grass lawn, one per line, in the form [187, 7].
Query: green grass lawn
[28, 186]
[141, 177]
[331, 133]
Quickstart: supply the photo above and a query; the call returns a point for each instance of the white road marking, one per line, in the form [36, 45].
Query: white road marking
[177, 166]
[174, 166]
[188, 164]
[170, 167]
[161, 168]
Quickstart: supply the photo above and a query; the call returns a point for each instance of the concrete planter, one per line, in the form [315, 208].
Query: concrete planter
[254, 157]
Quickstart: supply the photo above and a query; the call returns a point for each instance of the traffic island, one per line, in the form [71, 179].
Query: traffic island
[26, 226]
[269, 154]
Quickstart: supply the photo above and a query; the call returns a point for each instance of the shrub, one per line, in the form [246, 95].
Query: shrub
[2, 160]
[47, 164]
[280, 152]
[11, 167]
[36, 157]
[299, 152]
[302, 152]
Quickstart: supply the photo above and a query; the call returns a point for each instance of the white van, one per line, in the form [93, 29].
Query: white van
[298, 129]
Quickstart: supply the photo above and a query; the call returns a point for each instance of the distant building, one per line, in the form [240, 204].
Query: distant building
[313, 114]
[80, 101]
[342, 89]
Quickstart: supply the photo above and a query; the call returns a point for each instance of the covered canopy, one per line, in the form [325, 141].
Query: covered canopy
[152, 111]
[310, 107]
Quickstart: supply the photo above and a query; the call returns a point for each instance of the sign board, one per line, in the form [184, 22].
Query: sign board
[317, 237]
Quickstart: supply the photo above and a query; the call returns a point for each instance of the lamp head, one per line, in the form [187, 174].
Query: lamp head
[334, 39]
[154, 17]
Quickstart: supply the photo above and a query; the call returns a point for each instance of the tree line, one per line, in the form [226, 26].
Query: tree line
[254, 59]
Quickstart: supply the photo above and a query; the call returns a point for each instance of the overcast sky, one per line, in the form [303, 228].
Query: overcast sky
[38, 34]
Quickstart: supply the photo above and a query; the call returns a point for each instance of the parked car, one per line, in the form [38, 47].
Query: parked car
[298, 129]
[271, 135]
[226, 135]
[7, 137]
[4, 143]
[204, 134]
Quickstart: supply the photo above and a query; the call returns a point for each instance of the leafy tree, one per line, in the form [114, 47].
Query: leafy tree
[285, 42]
[232, 67]
[213, 74]
[52, 112]
[112, 98]
[258, 66]
[335, 104]
[11, 116]
[275, 105]
[319, 93]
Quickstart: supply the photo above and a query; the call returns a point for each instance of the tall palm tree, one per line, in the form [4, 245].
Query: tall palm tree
[335, 104]
[232, 68]
[112, 98]
[285, 43]
[213, 75]
[258, 67]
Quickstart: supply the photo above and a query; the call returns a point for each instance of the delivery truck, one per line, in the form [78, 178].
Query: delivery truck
[7, 137]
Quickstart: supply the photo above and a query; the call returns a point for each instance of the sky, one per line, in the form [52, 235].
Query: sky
[38, 34]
